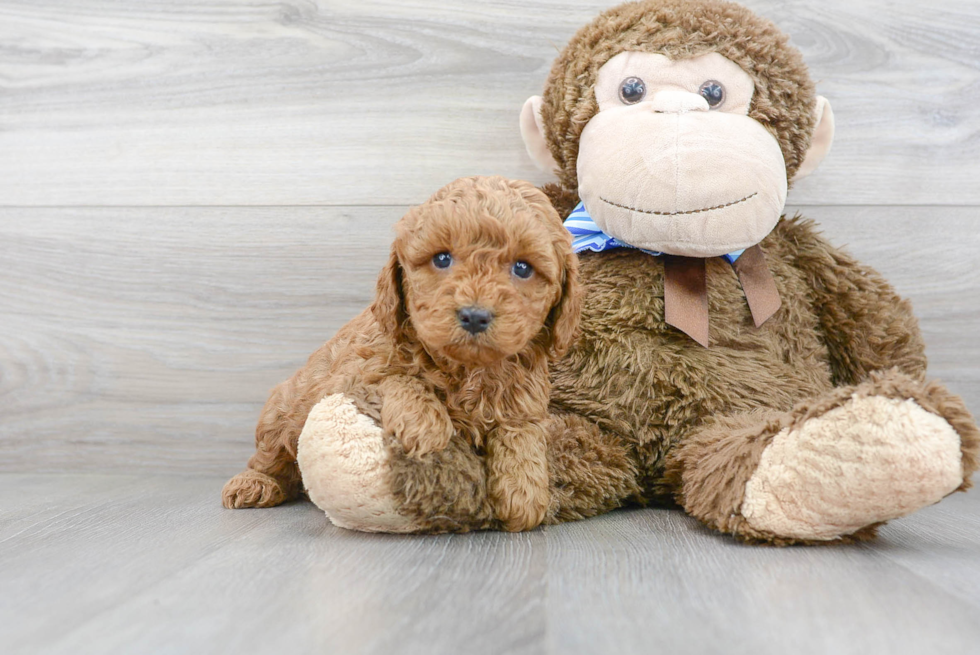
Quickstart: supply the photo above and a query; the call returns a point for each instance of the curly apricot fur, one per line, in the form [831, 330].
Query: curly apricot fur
[407, 363]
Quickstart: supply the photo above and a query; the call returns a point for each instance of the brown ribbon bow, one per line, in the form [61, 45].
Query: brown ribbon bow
[686, 291]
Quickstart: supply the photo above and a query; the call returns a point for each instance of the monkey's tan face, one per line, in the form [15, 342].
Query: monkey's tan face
[479, 285]
[673, 163]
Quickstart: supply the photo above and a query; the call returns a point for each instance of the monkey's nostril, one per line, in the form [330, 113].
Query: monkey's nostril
[474, 319]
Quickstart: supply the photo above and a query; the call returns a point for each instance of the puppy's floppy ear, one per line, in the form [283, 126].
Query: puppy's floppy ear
[389, 305]
[563, 320]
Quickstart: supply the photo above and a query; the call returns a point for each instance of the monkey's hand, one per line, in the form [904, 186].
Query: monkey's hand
[411, 412]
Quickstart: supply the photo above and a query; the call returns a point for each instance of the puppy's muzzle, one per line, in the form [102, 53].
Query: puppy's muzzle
[474, 319]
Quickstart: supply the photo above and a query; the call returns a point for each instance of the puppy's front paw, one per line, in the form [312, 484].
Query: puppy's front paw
[412, 412]
[518, 508]
[421, 429]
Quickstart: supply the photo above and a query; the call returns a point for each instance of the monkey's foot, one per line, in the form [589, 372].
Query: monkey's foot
[865, 461]
[833, 468]
[346, 468]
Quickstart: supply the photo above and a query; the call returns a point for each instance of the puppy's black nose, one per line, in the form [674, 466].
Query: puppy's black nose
[474, 319]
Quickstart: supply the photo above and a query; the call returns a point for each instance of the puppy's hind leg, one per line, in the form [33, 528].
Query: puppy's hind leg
[272, 476]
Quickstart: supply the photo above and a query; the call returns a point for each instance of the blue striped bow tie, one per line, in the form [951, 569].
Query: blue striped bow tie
[586, 235]
[685, 280]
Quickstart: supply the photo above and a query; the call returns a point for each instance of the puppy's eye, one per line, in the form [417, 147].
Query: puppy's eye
[523, 270]
[632, 90]
[713, 92]
[442, 260]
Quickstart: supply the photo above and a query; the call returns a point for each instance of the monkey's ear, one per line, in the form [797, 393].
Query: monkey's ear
[532, 131]
[389, 305]
[823, 137]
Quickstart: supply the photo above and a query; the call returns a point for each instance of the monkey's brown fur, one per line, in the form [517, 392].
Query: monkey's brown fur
[694, 421]
[407, 363]
[709, 412]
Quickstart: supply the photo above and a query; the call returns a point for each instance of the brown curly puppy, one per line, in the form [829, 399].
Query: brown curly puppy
[480, 293]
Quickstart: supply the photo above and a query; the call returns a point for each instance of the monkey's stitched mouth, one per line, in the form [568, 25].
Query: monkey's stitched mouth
[692, 211]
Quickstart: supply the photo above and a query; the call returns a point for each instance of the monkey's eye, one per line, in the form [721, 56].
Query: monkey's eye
[632, 90]
[713, 92]
[442, 260]
[523, 270]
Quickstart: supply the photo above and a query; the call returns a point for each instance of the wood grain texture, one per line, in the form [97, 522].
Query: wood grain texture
[696, 592]
[119, 564]
[940, 545]
[244, 102]
[148, 338]
[166, 328]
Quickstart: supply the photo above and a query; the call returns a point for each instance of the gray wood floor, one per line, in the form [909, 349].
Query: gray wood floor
[135, 564]
[195, 194]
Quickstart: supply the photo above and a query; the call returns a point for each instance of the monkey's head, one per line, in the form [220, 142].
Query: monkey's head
[680, 124]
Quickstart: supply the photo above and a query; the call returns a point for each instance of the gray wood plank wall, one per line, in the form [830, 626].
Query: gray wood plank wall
[194, 195]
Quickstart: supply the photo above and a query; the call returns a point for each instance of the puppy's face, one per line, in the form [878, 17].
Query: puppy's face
[484, 267]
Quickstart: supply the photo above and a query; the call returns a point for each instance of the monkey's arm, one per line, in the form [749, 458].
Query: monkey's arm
[866, 325]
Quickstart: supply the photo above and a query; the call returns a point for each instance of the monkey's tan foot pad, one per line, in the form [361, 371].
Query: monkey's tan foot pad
[345, 467]
[869, 460]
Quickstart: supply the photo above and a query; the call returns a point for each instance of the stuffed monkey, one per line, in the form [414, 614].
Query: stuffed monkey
[730, 360]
